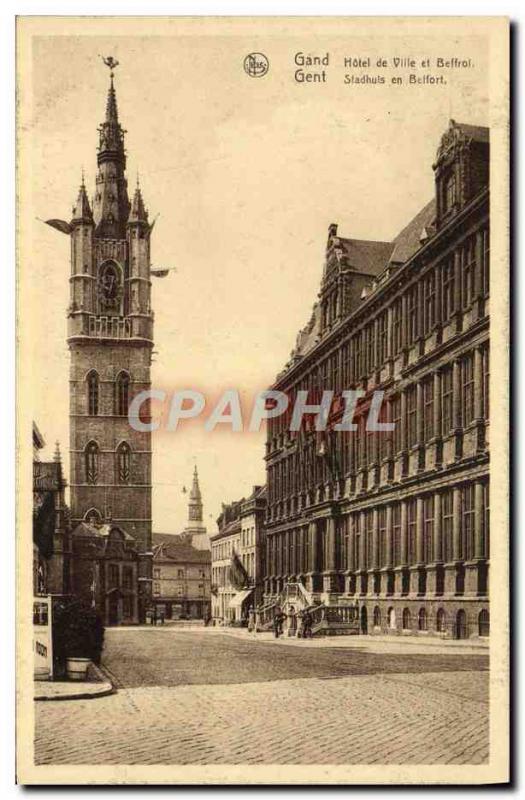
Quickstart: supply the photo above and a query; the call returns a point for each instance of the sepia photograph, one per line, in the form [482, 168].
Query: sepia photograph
[263, 353]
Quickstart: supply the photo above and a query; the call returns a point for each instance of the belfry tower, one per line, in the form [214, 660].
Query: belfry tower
[110, 338]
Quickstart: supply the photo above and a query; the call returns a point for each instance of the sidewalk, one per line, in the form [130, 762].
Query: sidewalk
[423, 644]
[97, 686]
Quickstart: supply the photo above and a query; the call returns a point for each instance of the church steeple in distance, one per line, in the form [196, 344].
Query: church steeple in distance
[195, 527]
[195, 502]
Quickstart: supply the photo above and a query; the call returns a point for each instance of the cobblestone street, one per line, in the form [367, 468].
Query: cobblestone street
[204, 696]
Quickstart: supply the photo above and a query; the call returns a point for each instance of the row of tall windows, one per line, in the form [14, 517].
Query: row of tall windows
[120, 394]
[357, 548]
[316, 461]
[447, 550]
[444, 290]
[122, 463]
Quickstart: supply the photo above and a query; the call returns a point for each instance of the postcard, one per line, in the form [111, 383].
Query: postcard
[263, 396]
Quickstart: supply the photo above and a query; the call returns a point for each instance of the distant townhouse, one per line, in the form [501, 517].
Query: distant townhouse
[238, 558]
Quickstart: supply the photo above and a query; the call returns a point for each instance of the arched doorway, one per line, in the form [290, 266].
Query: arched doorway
[441, 621]
[364, 620]
[461, 625]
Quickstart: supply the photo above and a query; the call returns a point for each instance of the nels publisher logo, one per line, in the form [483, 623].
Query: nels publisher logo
[256, 65]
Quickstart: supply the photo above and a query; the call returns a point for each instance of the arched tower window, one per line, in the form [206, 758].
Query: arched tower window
[91, 462]
[122, 394]
[123, 463]
[93, 393]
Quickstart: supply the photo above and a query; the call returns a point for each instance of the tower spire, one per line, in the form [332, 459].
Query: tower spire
[82, 209]
[111, 199]
[111, 104]
[138, 210]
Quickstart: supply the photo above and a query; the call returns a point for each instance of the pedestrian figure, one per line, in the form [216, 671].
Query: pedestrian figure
[292, 622]
[278, 620]
[307, 624]
[251, 620]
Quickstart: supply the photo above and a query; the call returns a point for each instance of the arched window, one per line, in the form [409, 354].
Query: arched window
[484, 622]
[122, 394]
[441, 621]
[422, 620]
[93, 516]
[92, 393]
[123, 463]
[377, 617]
[461, 625]
[407, 622]
[391, 618]
[91, 458]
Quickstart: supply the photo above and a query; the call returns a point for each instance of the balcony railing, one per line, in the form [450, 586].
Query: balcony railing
[109, 327]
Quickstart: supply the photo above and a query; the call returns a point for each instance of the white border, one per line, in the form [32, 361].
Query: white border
[7, 310]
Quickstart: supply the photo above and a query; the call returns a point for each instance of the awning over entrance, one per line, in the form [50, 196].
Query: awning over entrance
[239, 598]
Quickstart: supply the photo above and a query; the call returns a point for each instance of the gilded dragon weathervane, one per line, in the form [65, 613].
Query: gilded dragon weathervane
[110, 62]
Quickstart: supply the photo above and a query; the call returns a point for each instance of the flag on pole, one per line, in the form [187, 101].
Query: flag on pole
[238, 575]
[59, 225]
[159, 273]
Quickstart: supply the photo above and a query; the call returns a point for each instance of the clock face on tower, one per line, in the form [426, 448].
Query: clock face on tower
[109, 287]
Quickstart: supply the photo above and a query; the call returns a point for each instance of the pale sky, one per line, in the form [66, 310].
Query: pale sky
[246, 175]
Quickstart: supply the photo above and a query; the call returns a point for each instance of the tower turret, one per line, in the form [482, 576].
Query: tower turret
[139, 259]
[138, 214]
[82, 210]
[82, 226]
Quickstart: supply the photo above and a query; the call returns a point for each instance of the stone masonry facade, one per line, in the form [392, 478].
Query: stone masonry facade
[396, 522]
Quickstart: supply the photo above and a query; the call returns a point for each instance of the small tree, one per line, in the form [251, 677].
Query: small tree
[78, 632]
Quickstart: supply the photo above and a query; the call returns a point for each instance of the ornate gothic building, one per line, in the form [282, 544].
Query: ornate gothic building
[110, 338]
[395, 524]
[51, 539]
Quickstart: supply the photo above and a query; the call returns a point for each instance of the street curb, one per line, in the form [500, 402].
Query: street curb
[408, 640]
[80, 696]
[106, 688]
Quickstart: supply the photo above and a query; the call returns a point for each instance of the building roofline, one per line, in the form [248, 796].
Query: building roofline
[286, 375]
